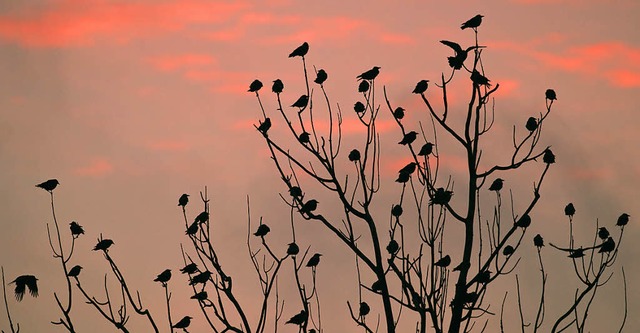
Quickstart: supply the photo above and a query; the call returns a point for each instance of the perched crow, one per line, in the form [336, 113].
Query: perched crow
[309, 206]
[508, 250]
[163, 277]
[202, 217]
[524, 221]
[76, 229]
[301, 102]
[480, 79]
[441, 196]
[426, 149]
[262, 231]
[538, 241]
[74, 271]
[200, 278]
[277, 86]
[49, 185]
[295, 191]
[532, 124]
[304, 137]
[192, 229]
[548, 157]
[623, 219]
[293, 249]
[300, 51]
[550, 94]
[321, 76]
[409, 168]
[377, 286]
[183, 200]
[473, 22]
[354, 155]
[183, 323]
[603, 233]
[403, 177]
[363, 86]
[28, 281]
[359, 107]
[201, 296]
[298, 319]
[189, 268]
[608, 246]
[443, 262]
[569, 210]
[264, 126]
[408, 138]
[577, 253]
[484, 277]
[421, 87]
[396, 210]
[398, 113]
[364, 309]
[496, 185]
[103, 245]
[370, 74]
[393, 247]
[255, 86]
[314, 260]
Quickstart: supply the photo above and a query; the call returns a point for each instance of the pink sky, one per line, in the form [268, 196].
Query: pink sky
[132, 103]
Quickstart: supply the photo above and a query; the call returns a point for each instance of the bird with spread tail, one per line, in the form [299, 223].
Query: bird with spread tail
[24, 282]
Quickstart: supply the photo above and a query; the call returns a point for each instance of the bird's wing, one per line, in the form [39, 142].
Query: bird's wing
[455, 46]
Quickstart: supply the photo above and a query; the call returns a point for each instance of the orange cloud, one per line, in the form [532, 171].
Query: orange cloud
[395, 38]
[168, 145]
[170, 63]
[97, 167]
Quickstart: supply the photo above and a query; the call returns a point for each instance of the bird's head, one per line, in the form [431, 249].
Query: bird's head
[376, 67]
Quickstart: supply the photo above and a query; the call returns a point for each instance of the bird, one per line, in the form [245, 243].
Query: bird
[74, 271]
[183, 323]
[76, 229]
[359, 107]
[255, 86]
[396, 210]
[569, 210]
[103, 245]
[496, 185]
[28, 281]
[398, 113]
[321, 76]
[377, 286]
[49, 185]
[426, 149]
[262, 231]
[403, 177]
[393, 247]
[183, 200]
[301, 102]
[623, 219]
[508, 250]
[189, 268]
[277, 86]
[200, 278]
[363, 86]
[532, 124]
[480, 79]
[300, 51]
[293, 249]
[538, 241]
[603, 233]
[409, 168]
[484, 277]
[607, 246]
[163, 277]
[443, 262]
[201, 296]
[202, 217]
[364, 309]
[299, 319]
[309, 206]
[264, 126]
[577, 253]
[441, 196]
[461, 266]
[314, 260]
[473, 22]
[524, 221]
[192, 229]
[550, 94]
[457, 61]
[548, 157]
[408, 138]
[370, 74]
[304, 137]
[354, 155]
[421, 87]
[295, 191]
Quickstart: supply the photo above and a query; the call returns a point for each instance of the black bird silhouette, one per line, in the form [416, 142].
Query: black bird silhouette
[359, 107]
[74, 271]
[508, 250]
[201, 296]
[473, 22]
[183, 200]
[532, 124]
[550, 94]
[354, 155]
[396, 210]
[293, 249]
[189, 268]
[409, 168]
[524, 221]
[277, 86]
[264, 126]
[363, 86]
[309, 206]
[441, 197]
[421, 87]
[408, 138]
[103, 245]
[426, 149]
[569, 210]
[548, 157]
[304, 137]
[163, 277]
[295, 191]
[497, 185]
[183, 323]
[370, 74]
[364, 309]
[577, 253]
[457, 61]
[28, 281]
[393, 247]
[321, 76]
[76, 229]
[192, 229]
[301, 102]
[202, 217]
[49, 185]
[603, 233]
[538, 241]
[300, 51]
[398, 113]
[461, 266]
[403, 177]
[299, 319]
[484, 277]
[443, 262]
[608, 246]
[314, 260]
[200, 278]
[255, 86]
[263, 230]
[377, 286]
[480, 79]
[623, 219]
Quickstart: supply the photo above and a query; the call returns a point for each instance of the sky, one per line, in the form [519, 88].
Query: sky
[131, 103]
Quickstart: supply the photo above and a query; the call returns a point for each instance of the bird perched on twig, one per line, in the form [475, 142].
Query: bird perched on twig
[192, 229]
[202, 217]
[189, 268]
[321, 76]
[393, 247]
[426, 149]
[409, 168]
[49, 185]
[550, 94]
[255, 86]
[480, 79]
[103, 245]
[295, 191]
[25, 281]
[538, 241]
[421, 87]
[183, 200]
[364, 309]
[370, 74]
[363, 86]
[277, 86]
[576, 253]
[569, 210]
[473, 22]
[314, 260]
[623, 219]
[201, 296]
[183, 323]
[163, 277]
[403, 177]
[300, 51]
[408, 138]
[548, 157]
[262, 231]
[524, 221]
[359, 108]
[293, 249]
[532, 124]
[603, 233]
[304, 137]
[508, 250]
[264, 126]
[299, 319]
[396, 210]
[74, 271]
[441, 197]
[443, 262]
[309, 206]
[354, 155]
[301, 102]
[607, 246]
[76, 229]
[200, 278]
[398, 113]
[497, 185]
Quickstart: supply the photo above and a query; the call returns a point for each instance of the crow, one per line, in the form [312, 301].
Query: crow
[548, 157]
[28, 281]
[608, 246]
[396, 210]
[201, 296]
[264, 126]
[74, 271]
[49, 185]
[183, 323]
[569, 210]
[314, 260]
[189, 268]
[496, 185]
[359, 107]
[262, 231]
[183, 200]
[200, 278]
[480, 79]
[192, 229]
[508, 250]
[321, 76]
[103, 245]
[364, 309]
[299, 319]
[398, 113]
[354, 155]
[443, 262]
[473, 22]
[538, 241]
[441, 197]
[532, 124]
[457, 61]
[277, 86]
[550, 94]
[393, 247]
[370, 74]
[76, 229]
[163, 277]
[301, 102]
[300, 51]
[426, 149]
[409, 168]
[524, 221]
[421, 87]
[309, 206]
[623, 219]
[363, 86]
[202, 217]
[293, 249]
[408, 138]
[295, 191]
[255, 86]
[303, 137]
[603, 233]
